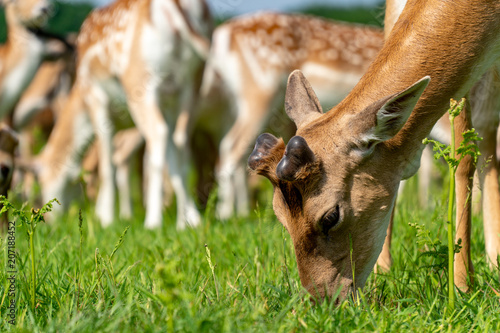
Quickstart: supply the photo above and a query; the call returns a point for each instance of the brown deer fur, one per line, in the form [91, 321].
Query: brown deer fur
[372, 139]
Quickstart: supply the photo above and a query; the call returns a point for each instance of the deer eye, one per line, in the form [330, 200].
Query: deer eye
[330, 219]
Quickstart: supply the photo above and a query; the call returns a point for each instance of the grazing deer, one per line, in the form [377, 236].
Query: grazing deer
[147, 52]
[24, 50]
[254, 55]
[336, 181]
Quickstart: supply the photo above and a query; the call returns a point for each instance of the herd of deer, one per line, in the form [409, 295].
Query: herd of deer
[155, 63]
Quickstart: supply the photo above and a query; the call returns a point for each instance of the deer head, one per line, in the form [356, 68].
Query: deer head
[329, 192]
[29, 13]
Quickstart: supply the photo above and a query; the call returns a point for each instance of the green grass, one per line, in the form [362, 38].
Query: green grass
[159, 281]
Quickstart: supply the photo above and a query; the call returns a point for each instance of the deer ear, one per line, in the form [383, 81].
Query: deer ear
[266, 154]
[297, 156]
[392, 112]
[301, 103]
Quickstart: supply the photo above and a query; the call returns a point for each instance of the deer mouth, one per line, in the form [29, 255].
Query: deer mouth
[336, 292]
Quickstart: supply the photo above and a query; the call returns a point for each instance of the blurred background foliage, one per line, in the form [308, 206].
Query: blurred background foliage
[69, 16]
[365, 15]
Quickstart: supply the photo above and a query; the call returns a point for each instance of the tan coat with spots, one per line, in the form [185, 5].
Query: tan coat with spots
[144, 54]
[254, 54]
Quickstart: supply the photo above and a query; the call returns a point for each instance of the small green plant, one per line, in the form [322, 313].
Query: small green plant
[435, 249]
[80, 259]
[164, 282]
[30, 221]
[286, 273]
[449, 153]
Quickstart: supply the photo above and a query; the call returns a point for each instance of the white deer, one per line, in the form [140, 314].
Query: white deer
[253, 55]
[147, 52]
[336, 181]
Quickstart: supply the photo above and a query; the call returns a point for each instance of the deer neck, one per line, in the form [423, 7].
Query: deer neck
[20, 58]
[423, 43]
[19, 35]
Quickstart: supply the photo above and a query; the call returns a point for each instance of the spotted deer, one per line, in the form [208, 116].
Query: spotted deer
[148, 53]
[253, 55]
[40, 104]
[336, 181]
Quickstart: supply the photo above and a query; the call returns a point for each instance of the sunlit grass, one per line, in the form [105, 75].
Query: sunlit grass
[159, 281]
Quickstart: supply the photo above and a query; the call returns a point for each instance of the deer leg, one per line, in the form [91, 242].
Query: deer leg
[486, 104]
[97, 100]
[234, 146]
[178, 157]
[476, 194]
[464, 270]
[384, 261]
[123, 184]
[232, 149]
[424, 176]
[156, 143]
[242, 198]
[142, 99]
[155, 133]
[126, 144]
[488, 178]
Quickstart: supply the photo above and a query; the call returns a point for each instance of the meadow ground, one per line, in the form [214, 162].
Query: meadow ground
[230, 277]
